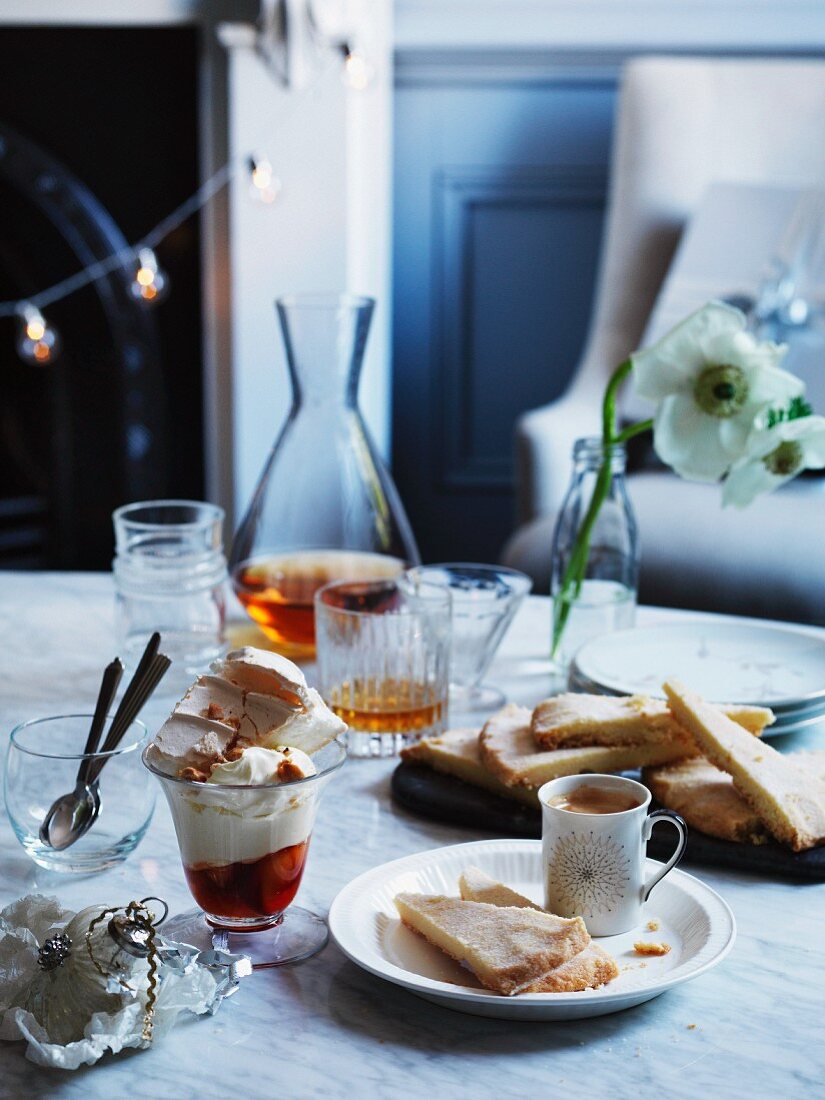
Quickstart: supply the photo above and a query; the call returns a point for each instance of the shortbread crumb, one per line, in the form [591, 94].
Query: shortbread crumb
[691, 1027]
[643, 948]
[653, 926]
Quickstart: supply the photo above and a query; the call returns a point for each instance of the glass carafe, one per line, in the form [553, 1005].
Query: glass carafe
[325, 507]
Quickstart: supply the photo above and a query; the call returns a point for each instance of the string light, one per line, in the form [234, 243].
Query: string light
[37, 341]
[357, 70]
[150, 284]
[264, 184]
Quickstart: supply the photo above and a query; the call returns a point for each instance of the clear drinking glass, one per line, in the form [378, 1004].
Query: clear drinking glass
[325, 507]
[485, 599]
[244, 850]
[383, 661]
[170, 575]
[43, 759]
[607, 599]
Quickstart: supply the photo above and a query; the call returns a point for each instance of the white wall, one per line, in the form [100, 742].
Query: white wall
[328, 230]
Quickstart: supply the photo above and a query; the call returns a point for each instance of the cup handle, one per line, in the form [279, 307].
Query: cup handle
[679, 824]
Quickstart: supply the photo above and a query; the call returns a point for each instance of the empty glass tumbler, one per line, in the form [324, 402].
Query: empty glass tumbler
[485, 599]
[383, 658]
[170, 575]
[325, 507]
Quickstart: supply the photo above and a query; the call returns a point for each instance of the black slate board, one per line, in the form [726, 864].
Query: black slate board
[430, 794]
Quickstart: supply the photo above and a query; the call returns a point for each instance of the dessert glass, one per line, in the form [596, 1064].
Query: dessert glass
[485, 599]
[243, 850]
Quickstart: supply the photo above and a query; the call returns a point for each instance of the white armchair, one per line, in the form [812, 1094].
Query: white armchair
[682, 124]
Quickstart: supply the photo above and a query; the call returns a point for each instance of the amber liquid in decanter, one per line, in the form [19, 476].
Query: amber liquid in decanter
[278, 591]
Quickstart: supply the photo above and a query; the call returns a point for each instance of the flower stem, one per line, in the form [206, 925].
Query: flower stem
[633, 430]
[577, 564]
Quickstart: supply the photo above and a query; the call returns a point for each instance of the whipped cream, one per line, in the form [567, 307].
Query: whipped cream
[252, 698]
[215, 829]
[260, 765]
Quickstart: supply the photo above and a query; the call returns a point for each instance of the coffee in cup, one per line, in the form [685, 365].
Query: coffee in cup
[588, 799]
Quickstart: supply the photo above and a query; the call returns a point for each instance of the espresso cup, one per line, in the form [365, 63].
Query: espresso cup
[594, 863]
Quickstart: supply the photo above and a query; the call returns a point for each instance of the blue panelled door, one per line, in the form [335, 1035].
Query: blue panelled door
[499, 201]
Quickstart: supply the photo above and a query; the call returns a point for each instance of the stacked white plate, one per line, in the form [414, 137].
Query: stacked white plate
[754, 663]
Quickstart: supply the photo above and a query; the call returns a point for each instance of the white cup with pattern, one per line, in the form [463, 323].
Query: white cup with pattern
[595, 830]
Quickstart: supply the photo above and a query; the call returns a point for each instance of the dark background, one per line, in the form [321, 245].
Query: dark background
[118, 107]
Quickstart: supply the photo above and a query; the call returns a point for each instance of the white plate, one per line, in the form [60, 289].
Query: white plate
[754, 663]
[364, 923]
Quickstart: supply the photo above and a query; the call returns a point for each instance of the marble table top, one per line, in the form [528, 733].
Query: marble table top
[324, 1028]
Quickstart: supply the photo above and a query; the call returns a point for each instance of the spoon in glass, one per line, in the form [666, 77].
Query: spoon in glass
[74, 813]
[58, 820]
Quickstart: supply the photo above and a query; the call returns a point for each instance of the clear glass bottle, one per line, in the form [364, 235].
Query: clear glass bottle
[325, 507]
[607, 599]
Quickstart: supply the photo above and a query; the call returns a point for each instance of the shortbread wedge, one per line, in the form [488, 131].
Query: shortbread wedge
[708, 801]
[589, 969]
[508, 949]
[507, 748]
[572, 720]
[788, 799]
[456, 753]
[476, 885]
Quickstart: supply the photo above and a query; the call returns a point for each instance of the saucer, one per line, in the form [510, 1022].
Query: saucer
[364, 923]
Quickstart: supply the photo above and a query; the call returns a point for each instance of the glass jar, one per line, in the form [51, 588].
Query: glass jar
[606, 599]
[170, 575]
[325, 507]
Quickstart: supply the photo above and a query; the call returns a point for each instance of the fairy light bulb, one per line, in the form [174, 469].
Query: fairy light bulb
[37, 341]
[150, 284]
[264, 185]
[357, 70]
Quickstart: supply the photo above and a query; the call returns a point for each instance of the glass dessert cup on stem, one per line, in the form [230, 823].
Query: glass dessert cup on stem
[485, 599]
[243, 850]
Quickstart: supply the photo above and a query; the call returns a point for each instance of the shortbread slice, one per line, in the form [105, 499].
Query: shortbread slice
[589, 969]
[507, 949]
[789, 801]
[573, 720]
[708, 801]
[507, 748]
[476, 885]
[456, 753]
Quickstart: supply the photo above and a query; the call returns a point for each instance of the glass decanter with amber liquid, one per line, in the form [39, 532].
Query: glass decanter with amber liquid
[325, 507]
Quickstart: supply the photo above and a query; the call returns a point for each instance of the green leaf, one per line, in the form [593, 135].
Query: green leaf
[798, 408]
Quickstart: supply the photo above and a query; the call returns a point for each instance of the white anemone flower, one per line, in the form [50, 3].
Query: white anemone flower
[775, 455]
[710, 380]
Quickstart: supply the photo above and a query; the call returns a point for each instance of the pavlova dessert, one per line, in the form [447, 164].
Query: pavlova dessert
[242, 762]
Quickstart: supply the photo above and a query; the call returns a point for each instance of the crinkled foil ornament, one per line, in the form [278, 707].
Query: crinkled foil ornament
[75, 985]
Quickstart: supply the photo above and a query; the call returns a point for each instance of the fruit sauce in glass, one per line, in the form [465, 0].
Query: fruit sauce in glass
[248, 890]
